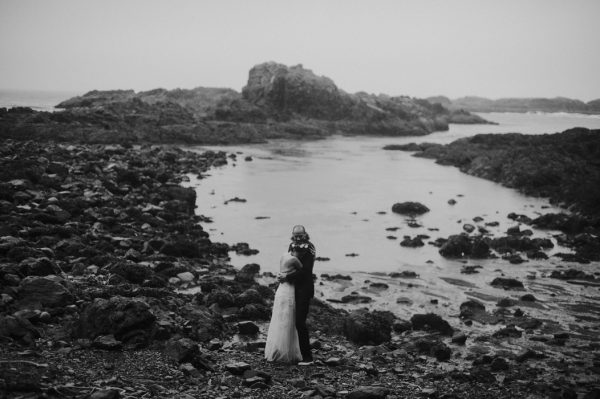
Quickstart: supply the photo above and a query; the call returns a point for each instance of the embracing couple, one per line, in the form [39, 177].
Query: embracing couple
[287, 339]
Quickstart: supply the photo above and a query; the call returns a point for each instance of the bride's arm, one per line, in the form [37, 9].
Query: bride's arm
[293, 275]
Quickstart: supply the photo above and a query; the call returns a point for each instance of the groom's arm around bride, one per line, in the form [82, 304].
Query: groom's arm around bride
[304, 286]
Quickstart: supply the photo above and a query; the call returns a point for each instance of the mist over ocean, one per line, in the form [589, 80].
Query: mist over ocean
[38, 100]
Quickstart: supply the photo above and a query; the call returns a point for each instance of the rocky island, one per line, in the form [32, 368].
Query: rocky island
[277, 102]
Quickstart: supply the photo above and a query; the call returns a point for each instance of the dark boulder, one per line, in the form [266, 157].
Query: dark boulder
[250, 296]
[507, 283]
[400, 326]
[368, 392]
[433, 347]
[355, 298]
[459, 338]
[18, 328]
[247, 273]
[499, 364]
[470, 308]
[431, 321]
[107, 342]
[187, 195]
[129, 320]
[404, 274]
[247, 328]
[131, 271]
[364, 327]
[254, 311]
[203, 324]
[48, 291]
[223, 298]
[182, 350]
[38, 267]
[469, 228]
[508, 332]
[461, 245]
[570, 224]
[412, 242]
[409, 208]
[185, 350]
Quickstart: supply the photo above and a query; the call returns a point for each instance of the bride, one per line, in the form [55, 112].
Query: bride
[282, 338]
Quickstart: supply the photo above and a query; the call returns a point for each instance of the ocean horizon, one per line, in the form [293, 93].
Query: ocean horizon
[39, 100]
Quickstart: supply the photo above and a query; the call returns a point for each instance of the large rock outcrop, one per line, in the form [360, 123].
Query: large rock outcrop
[277, 102]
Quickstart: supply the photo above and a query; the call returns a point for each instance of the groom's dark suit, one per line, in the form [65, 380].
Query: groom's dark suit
[304, 291]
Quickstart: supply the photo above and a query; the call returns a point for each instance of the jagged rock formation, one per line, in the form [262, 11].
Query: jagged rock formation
[277, 102]
[480, 104]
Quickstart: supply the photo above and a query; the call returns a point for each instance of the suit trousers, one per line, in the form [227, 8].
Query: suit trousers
[303, 297]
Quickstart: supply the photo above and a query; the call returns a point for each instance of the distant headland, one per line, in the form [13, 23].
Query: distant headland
[277, 102]
[481, 104]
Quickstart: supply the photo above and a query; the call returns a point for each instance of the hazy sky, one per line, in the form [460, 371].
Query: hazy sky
[508, 48]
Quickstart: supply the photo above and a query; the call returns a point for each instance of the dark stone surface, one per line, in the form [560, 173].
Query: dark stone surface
[409, 208]
[431, 322]
[365, 327]
[127, 319]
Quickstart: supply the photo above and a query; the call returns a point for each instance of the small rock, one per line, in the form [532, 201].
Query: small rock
[237, 368]
[431, 321]
[400, 326]
[507, 283]
[506, 302]
[247, 328]
[528, 298]
[469, 228]
[297, 383]
[508, 332]
[189, 369]
[367, 392]
[459, 338]
[499, 364]
[105, 394]
[107, 342]
[215, 344]
[185, 276]
[333, 361]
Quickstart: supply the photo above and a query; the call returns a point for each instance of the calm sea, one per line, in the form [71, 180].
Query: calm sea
[35, 99]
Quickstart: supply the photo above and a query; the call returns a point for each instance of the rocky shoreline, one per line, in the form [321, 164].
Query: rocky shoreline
[112, 288]
[277, 102]
[561, 166]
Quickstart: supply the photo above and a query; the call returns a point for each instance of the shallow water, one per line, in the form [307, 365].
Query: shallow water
[339, 187]
[342, 189]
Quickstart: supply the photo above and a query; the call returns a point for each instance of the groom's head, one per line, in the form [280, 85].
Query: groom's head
[299, 233]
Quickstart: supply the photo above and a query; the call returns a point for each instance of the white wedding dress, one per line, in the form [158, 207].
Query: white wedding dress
[282, 338]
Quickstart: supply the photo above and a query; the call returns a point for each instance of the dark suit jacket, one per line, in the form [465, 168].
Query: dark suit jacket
[303, 278]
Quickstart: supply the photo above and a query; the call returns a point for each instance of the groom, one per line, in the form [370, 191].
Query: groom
[304, 285]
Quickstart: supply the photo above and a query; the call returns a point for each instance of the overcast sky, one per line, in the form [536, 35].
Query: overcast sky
[420, 48]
